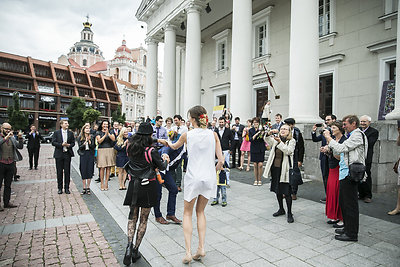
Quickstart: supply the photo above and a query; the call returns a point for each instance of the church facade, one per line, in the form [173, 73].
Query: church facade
[322, 57]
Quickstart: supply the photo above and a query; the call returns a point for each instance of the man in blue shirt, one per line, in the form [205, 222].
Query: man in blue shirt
[159, 131]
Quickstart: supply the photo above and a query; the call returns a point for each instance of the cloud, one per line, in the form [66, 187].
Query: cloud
[46, 29]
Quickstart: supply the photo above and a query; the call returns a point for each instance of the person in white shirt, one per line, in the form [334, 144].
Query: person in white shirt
[180, 128]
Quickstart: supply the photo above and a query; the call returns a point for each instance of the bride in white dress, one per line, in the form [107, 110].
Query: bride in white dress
[200, 180]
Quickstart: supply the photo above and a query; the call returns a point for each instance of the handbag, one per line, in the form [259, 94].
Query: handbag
[396, 166]
[357, 169]
[294, 174]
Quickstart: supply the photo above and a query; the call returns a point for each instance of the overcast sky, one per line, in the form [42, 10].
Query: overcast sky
[46, 29]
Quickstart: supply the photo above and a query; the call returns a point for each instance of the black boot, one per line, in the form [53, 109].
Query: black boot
[136, 255]
[128, 254]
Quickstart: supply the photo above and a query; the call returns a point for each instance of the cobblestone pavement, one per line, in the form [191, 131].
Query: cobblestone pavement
[245, 234]
[47, 228]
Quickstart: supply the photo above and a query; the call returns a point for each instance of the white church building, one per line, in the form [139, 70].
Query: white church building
[323, 57]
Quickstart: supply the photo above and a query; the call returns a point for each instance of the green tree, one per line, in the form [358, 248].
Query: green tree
[117, 115]
[17, 118]
[91, 115]
[75, 113]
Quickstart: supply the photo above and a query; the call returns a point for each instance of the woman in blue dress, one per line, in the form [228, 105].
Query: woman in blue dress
[122, 156]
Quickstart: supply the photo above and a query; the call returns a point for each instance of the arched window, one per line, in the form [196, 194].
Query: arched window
[144, 60]
[85, 49]
[84, 62]
[117, 73]
[130, 77]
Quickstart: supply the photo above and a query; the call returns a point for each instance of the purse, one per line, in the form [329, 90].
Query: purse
[357, 169]
[294, 174]
[396, 166]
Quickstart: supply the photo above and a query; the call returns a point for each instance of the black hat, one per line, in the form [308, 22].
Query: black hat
[290, 121]
[145, 128]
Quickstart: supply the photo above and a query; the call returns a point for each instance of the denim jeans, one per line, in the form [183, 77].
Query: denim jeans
[221, 188]
[172, 192]
[227, 157]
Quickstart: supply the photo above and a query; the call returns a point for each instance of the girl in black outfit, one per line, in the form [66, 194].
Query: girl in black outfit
[257, 149]
[142, 191]
[86, 147]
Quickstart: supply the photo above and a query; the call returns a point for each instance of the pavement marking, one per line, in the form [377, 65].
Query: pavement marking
[43, 224]
[41, 165]
[34, 181]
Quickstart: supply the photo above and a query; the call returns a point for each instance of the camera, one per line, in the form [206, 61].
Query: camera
[327, 128]
[318, 124]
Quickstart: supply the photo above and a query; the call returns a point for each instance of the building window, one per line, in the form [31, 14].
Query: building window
[5, 101]
[47, 103]
[325, 22]
[62, 75]
[221, 55]
[27, 103]
[130, 77]
[64, 107]
[84, 62]
[144, 60]
[325, 95]
[117, 73]
[16, 83]
[261, 40]
[221, 50]
[13, 65]
[222, 100]
[66, 90]
[392, 71]
[42, 71]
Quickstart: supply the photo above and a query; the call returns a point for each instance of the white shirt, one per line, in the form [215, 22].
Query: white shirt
[221, 131]
[65, 138]
[180, 129]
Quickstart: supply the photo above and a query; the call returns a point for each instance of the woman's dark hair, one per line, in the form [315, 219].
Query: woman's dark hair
[101, 124]
[138, 143]
[195, 113]
[338, 124]
[256, 119]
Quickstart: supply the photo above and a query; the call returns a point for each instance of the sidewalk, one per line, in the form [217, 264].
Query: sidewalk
[47, 228]
[245, 234]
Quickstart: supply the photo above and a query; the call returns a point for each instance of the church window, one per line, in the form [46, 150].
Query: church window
[84, 62]
[78, 49]
[325, 95]
[117, 74]
[85, 49]
[91, 49]
[144, 60]
[325, 17]
[129, 76]
[261, 40]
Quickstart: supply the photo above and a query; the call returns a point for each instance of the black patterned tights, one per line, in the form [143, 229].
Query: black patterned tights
[132, 220]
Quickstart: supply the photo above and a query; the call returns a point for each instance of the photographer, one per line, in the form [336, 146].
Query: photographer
[353, 150]
[8, 157]
[322, 156]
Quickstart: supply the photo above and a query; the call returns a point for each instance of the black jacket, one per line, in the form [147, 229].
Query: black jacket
[82, 146]
[319, 138]
[34, 142]
[372, 136]
[299, 150]
[57, 143]
[257, 145]
[240, 132]
[226, 138]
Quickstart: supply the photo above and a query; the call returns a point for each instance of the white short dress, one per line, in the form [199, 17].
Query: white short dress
[200, 177]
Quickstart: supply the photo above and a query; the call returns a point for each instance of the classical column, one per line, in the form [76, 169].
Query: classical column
[168, 101]
[241, 69]
[395, 114]
[304, 62]
[150, 108]
[192, 87]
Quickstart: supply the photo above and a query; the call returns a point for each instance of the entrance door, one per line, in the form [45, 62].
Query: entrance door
[262, 97]
[325, 95]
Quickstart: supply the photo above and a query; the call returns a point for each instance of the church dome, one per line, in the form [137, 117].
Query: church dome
[123, 47]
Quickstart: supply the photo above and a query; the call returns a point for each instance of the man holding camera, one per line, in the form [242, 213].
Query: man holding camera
[329, 119]
[354, 150]
[8, 157]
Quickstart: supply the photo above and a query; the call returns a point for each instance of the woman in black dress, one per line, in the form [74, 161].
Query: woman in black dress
[257, 149]
[122, 157]
[86, 147]
[142, 192]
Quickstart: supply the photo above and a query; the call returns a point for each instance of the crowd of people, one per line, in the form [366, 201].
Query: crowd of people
[155, 153]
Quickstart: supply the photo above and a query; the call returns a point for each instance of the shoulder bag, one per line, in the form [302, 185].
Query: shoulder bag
[357, 169]
[294, 174]
[396, 166]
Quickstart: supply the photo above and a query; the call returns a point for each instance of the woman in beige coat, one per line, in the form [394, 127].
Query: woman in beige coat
[278, 165]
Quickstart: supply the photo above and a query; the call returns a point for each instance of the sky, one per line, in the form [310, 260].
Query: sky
[46, 29]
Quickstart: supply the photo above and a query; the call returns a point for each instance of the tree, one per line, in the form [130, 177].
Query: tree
[17, 118]
[75, 113]
[91, 115]
[118, 116]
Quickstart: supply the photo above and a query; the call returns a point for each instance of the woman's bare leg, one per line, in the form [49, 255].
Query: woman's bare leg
[397, 209]
[123, 177]
[242, 159]
[101, 174]
[260, 167]
[120, 177]
[108, 170]
[201, 225]
[255, 172]
[248, 160]
[188, 228]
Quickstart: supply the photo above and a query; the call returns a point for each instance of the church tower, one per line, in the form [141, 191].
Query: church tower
[85, 52]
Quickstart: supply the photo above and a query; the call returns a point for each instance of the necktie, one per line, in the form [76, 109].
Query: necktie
[157, 132]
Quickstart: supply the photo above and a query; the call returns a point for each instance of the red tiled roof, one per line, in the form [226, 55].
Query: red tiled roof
[99, 66]
[74, 64]
[128, 84]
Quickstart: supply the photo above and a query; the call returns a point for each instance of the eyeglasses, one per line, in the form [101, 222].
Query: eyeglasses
[7, 129]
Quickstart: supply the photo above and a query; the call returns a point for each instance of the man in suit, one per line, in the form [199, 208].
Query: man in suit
[237, 131]
[8, 156]
[226, 139]
[63, 141]
[365, 188]
[278, 122]
[34, 139]
[298, 156]
[323, 159]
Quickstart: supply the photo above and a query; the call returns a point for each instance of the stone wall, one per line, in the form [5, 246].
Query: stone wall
[386, 152]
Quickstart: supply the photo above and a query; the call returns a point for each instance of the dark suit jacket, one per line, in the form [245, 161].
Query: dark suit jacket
[319, 138]
[277, 126]
[299, 150]
[372, 136]
[240, 132]
[226, 139]
[257, 145]
[57, 143]
[34, 142]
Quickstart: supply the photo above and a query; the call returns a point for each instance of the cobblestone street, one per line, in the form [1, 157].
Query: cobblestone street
[51, 229]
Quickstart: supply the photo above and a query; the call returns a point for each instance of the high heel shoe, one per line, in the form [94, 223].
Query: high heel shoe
[187, 259]
[128, 254]
[199, 255]
[247, 169]
[135, 255]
